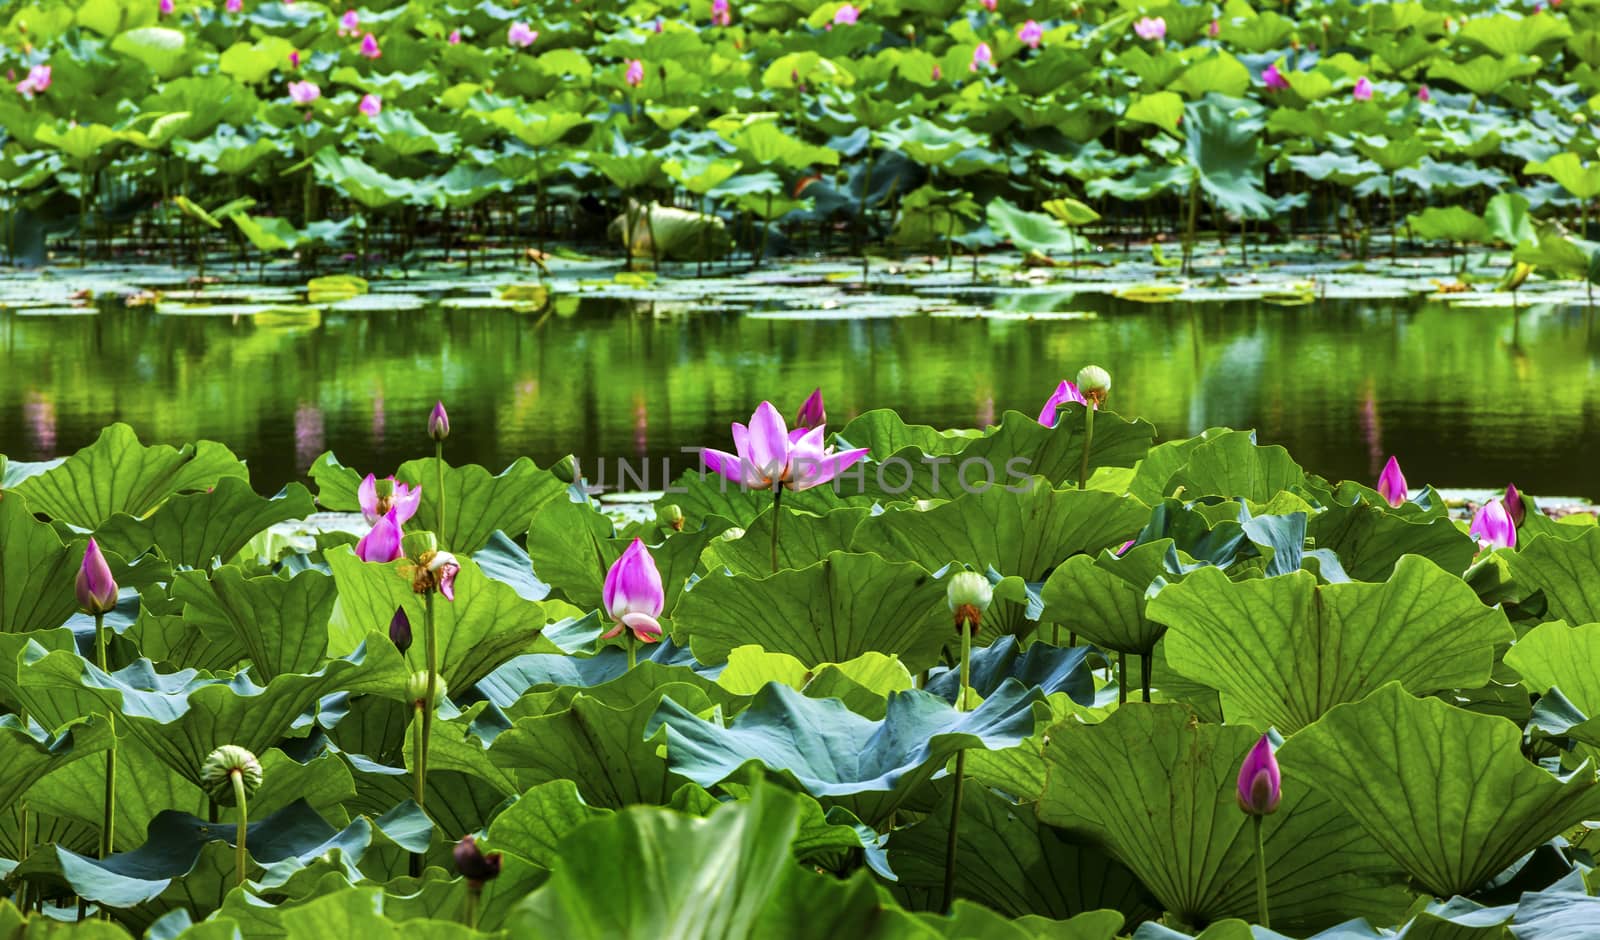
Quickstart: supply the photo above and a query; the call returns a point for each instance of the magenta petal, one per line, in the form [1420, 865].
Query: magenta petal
[1492, 526]
[97, 589]
[633, 584]
[612, 633]
[769, 441]
[447, 581]
[405, 502]
[367, 496]
[812, 413]
[1392, 483]
[382, 544]
[723, 463]
[830, 467]
[1260, 782]
[645, 627]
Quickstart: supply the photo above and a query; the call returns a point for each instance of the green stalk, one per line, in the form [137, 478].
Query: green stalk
[1122, 678]
[633, 650]
[438, 463]
[470, 914]
[1088, 439]
[777, 501]
[106, 841]
[1261, 874]
[432, 640]
[418, 751]
[240, 856]
[961, 770]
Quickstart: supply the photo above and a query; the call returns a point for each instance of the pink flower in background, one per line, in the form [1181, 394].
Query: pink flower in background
[1516, 506]
[166, 7]
[455, 37]
[1363, 90]
[39, 413]
[846, 15]
[1424, 95]
[981, 57]
[234, 6]
[369, 46]
[1273, 79]
[658, 26]
[635, 76]
[304, 92]
[1031, 34]
[938, 73]
[350, 23]
[813, 413]
[990, 5]
[1214, 29]
[721, 14]
[37, 80]
[294, 60]
[1150, 27]
[521, 35]
[371, 105]
[308, 437]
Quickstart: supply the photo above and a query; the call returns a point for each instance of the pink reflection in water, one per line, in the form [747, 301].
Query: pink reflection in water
[1372, 429]
[308, 435]
[39, 413]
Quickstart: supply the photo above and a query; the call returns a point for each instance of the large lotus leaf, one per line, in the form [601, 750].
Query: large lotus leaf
[282, 623]
[1556, 656]
[1219, 72]
[884, 432]
[1007, 859]
[1483, 75]
[969, 921]
[12, 646]
[622, 687]
[1023, 533]
[1232, 464]
[359, 912]
[704, 496]
[457, 803]
[833, 752]
[37, 571]
[455, 747]
[252, 62]
[159, 48]
[193, 529]
[1224, 152]
[806, 539]
[745, 881]
[1370, 539]
[1514, 36]
[1284, 650]
[363, 183]
[1452, 224]
[118, 474]
[1103, 598]
[1050, 669]
[1509, 220]
[829, 612]
[487, 624]
[1445, 791]
[1564, 569]
[164, 637]
[183, 717]
[1159, 791]
[1032, 231]
[28, 758]
[611, 753]
[533, 826]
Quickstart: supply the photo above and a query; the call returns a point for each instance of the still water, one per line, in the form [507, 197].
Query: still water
[1460, 395]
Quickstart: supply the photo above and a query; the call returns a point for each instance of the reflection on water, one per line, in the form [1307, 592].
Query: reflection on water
[1460, 395]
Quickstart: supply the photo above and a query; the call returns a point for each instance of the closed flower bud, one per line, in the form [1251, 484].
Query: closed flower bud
[474, 864]
[1260, 783]
[438, 422]
[218, 771]
[969, 594]
[97, 590]
[400, 630]
[1094, 383]
[417, 688]
[1516, 504]
[673, 516]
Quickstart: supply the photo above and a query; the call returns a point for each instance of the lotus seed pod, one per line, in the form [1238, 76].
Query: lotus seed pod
[417, 688]
[1094, 383]
[417, 544]
[474, 864]
[969, 594]
[218, 770]
[673, 516]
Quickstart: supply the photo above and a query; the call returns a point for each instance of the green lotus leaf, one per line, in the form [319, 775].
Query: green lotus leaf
[1219, 72]
[1514, 36]
[1446, 792]
[359, 912]
[280, 622]
[1564, 570]
[160, 49]
[37, 571]
[1369, 540]
[1483, 75]
[1032, 231]
[807, 538]
[1233, 465]
[1285, 650]
[110, 17]
[1103, 598]
[1158, 791]
[252, 62]
[1450, 224]
[533, 826]
[835, 610]
[1508, 219]
[29, 758]
[1556, 656]
[196, 529]
[118, 474]
[1224, 153]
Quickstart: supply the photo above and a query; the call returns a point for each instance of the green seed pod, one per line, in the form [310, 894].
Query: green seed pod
[417, 544]
[417, 688]
[218, 770]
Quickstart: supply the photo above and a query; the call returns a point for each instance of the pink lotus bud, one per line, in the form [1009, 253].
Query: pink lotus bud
[1424, 95]
[1363, 89]
[97, 589]
[635, 76]
[721, 14]
[369, 46]
[294, 60]
[1492, 526]
[938, 73]
[1516, 505]
[1260, 784]
[633, 594]
[234, 6]
[812, 414]
[1031, 34]
[1392, 483]
[1214, 29]
[350, 23]
[1273, 79]
[474, 865]
[438, 422]
[846, 15]
[990, 5]
[982, 56]
[455, 37]
[371, 105]
[166, 7]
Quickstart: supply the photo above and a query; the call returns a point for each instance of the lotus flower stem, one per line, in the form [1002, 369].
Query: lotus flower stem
[633, 652]
[241, 831]
[106, 830]
[1146, 668]
[1261, 873]
[470, 912]
[419, 748]
[960, 773]
[1122, 678]
[1088, 439]
[777, 516]
[438, 463]
[430, 628]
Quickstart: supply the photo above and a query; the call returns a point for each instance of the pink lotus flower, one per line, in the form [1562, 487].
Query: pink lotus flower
[990, 5]
[769, 455]
[721, 13]
[378, 497]
[304, 92]
[1492, 526]
[1424, 95]
[455, 37]
[294, 60]
[812, 414]
[382, 544]
[371, 106]
[97, 589]
[1031, 34]
[938, 73]
[350, 23]
[521, 35]
[633, 595]
[1273, 79]
[981, 56]
[444, 568]
[1260, 784]
[1363, 90]
[234, 6]
[1516, 506]
[1065, 392]
[1214, 29]
[1392, 483]
[166, 7]
[846, 15]
[369, 46]
[36, 81]
[635, 76]
[1150, 27]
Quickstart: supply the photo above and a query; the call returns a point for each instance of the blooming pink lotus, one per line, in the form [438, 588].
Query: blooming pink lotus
[1065, 392]
[1273, 79]
[97, 589]
[1260, 784]
[372, 106]
[382, 544]
[1492, 526]
[846, 15]
[982, 57]
[36, 81]
[635, 76]
[769, 455]
[454, 38]
[812, 414]
[1392, 483]
[350, 23]
[1363, 89]
[521, 35]
[1150, 27]
[377, 497]
[304, 92]
[633, 595]
[369, 46]
[721, 13]
[1031, 34]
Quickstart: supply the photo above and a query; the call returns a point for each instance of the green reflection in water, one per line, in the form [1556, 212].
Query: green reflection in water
[1342, 385]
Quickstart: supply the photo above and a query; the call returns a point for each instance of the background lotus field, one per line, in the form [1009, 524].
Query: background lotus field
[790, 756]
